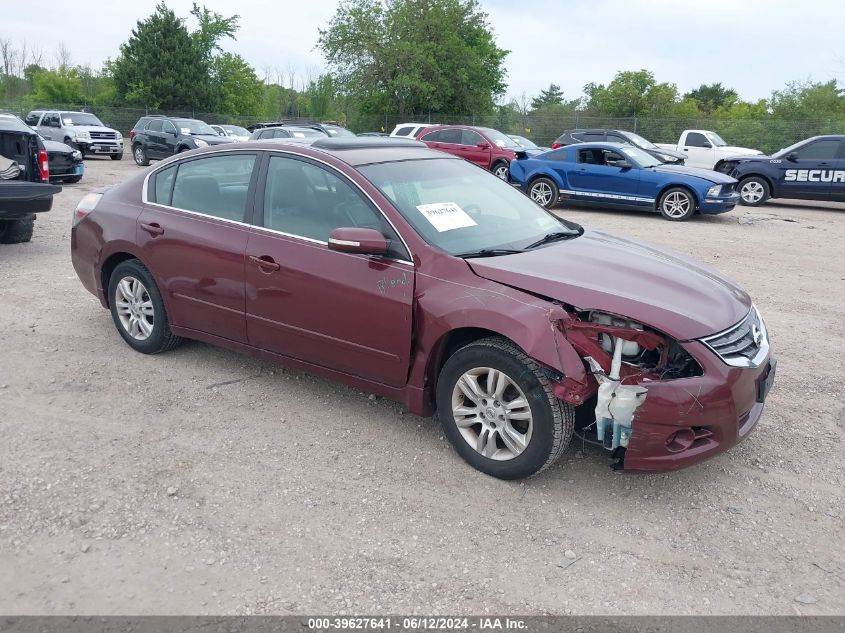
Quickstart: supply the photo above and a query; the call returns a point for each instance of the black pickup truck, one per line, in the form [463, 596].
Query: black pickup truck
[25, 187]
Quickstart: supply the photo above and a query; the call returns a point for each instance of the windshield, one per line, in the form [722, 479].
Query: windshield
[788, 150]
[639, 141]
[498, 138]
[192, 126]
[80, 118]
[717, 140]
[524, 142]
[305, 132]
[460, 208]
[236, 130]
[336, 130]
[641, 158]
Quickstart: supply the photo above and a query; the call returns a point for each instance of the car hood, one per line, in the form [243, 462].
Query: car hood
[92, 128]
[598, 271]
[707, 174]
[54, 147]
[739, 151]
[666, 152]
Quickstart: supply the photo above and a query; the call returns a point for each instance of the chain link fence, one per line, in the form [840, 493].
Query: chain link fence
[768, 134]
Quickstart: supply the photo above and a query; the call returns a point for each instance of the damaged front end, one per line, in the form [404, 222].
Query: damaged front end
[622, 357]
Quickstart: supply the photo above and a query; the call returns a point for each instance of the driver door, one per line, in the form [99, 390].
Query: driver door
[595, 181]
[699, 151]
[811, 170]
[347, 312]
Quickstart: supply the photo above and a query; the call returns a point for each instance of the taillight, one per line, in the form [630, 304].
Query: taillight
[556, 145]
[131, 133]
[43, 166]
[88, 203]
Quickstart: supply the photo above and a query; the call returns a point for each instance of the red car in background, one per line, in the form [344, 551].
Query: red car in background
[411, 274]
[484, 146]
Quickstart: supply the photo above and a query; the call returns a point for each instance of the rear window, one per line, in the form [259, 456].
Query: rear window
[163, 185]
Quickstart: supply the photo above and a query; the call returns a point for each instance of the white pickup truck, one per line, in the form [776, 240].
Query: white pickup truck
[704, 148]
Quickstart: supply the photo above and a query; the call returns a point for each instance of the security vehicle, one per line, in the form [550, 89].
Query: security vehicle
[622, 176]
[602, 135]
[155, 137]
[812, 169]
[79, 130]
[459, 295]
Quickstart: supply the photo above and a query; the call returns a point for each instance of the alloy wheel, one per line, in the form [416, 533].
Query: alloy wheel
[492, 414]
[541, 193]
[134, 308]
[676, 204]
[501, 172]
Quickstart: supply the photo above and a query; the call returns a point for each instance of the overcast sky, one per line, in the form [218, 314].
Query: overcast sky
[753, 46]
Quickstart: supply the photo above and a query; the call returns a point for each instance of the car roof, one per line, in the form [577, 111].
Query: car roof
[11, 122]
[352, 150]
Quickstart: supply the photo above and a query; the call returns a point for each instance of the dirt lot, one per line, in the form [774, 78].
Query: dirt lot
[201, 481]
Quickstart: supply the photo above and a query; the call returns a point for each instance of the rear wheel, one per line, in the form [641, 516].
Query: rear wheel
[140, 155]
[676, 204]
[498, 410]
[544, 192]
[16, 231]
[753, 191]
[138, 309]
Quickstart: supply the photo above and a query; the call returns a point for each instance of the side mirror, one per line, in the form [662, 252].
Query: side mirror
[792, 156]
[482, 145]
[355, 240]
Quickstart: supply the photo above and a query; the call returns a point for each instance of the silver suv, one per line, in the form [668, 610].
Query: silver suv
[80, 130]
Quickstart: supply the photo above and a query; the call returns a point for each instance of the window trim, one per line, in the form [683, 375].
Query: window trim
[836, 155]
[263, 156]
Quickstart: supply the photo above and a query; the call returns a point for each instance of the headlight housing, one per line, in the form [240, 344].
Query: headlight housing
[83, 136]
[119, 136]
[714, 191]
[200, 143]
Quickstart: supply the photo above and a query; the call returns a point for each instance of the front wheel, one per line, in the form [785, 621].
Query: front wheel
[138, 309]
[544, 192]
[117, 156]
[676, 204]
[498, 410]
[753, 191]
[501, 171]
[140, 156]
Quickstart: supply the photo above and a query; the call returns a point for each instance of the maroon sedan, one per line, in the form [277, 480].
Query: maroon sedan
[484, 146]
[413, 274]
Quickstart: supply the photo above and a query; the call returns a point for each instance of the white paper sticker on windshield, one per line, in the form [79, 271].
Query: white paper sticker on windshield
[185, 130]
[68, 121]
[445, 216]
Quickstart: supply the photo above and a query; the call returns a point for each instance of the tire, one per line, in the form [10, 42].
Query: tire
[16, 231]
[501, 170]
[137, 309]
[676, 204]
[539, 439]
[140, 155]
[544, 192]
[753, 191]
[73, 179]
[116, 156]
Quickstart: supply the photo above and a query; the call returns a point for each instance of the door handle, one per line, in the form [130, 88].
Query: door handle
[265, 261]
[685, 149]
[153, 228]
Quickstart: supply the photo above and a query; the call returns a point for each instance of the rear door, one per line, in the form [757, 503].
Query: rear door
[169, 138]
[811, 172]
[350, 313]
[193, 234]
[154, 139]
[699, 151]
[49, 127]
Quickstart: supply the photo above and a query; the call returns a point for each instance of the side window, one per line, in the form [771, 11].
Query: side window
[32, 118]
[471, 137]
[308, 201]
[433, 136]
[269, 133]
[216, 186]
[827, 148]
[452, 136]
[615, 138]
[163, 185]
[592, 137]
[695, 139]
[404, 131]
[281, 133]
[167, 126]
[155, 125]
[591, 156]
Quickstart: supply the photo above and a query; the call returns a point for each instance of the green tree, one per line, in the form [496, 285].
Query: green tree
[551, 96]
[415, 56]
[160, 66]
[809, 101]
[238, 90]
[710, 97]
[631, 93]
[56, 87]
[212, 28]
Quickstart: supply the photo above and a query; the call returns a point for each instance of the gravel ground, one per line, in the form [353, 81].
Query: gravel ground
[201, 481]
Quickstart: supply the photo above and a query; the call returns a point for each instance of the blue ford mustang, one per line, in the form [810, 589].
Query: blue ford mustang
[616, 175]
